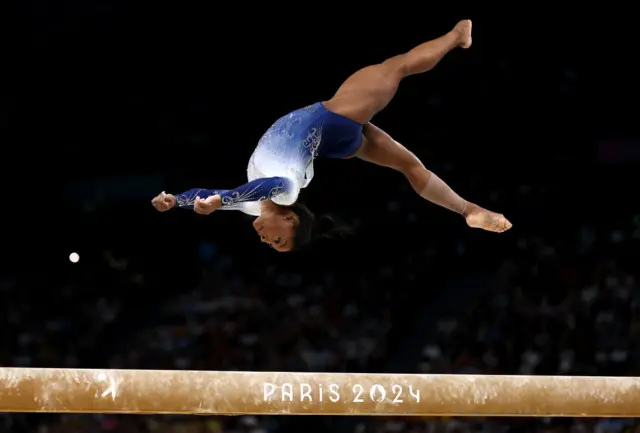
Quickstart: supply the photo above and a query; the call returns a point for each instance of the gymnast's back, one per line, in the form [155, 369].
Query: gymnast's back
[290, 145]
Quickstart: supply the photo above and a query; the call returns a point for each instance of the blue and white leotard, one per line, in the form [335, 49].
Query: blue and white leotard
[282, 163]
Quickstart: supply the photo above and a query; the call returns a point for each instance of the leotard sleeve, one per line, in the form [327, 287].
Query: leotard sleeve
[245, 198]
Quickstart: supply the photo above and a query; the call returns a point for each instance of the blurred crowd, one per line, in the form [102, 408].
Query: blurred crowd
[224, 323]
[557, 295]
[226, 320]
[566, 304]
[554, 308]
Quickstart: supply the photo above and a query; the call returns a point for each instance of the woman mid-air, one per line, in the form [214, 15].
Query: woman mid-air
[282, 163]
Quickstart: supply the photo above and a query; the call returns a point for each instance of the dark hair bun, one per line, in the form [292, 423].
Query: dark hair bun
[311, 228]
[327, 226]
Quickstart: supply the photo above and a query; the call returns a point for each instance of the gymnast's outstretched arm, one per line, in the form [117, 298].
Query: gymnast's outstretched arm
[245, 198]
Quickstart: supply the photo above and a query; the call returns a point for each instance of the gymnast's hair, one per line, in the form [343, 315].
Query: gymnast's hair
[312, 228]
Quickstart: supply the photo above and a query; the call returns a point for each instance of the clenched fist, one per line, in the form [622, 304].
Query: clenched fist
[163, 201]
[208, 205]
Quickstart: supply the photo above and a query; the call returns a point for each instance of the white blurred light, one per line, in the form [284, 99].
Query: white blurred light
[74, 257]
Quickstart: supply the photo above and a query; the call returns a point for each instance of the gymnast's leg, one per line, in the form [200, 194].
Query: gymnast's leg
[370, 89]
[379, 148]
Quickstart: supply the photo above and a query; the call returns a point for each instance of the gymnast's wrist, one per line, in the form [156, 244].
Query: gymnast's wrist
[173, 200]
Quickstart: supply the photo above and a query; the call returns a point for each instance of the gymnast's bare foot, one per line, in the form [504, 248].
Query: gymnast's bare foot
[463, 29]
[480, 218]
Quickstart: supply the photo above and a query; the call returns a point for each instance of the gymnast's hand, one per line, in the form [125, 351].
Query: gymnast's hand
[208, 205]
[163, 201]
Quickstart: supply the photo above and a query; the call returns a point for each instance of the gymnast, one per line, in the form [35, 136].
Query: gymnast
[282, 163]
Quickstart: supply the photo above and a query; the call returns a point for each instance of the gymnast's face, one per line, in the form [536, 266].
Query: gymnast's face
[276, 227]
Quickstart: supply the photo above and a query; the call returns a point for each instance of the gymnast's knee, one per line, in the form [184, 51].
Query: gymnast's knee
[397, 65]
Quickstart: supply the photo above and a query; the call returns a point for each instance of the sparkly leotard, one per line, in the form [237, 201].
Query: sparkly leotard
[282, 163]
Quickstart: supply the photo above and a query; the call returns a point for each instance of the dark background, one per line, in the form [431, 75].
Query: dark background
[106, 103]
